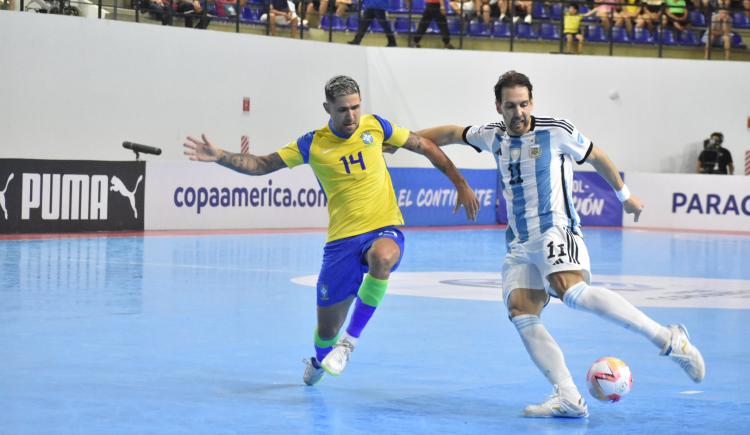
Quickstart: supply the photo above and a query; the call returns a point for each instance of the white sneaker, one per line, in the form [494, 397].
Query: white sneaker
[685, 354]
[515, 19]
[527, 20]
[313, 371]
[558, 406]
[335, 362]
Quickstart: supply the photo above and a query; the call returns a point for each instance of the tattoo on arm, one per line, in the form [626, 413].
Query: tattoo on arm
[414, 143]
[251, 164]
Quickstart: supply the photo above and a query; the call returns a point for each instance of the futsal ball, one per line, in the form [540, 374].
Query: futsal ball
[609, 379]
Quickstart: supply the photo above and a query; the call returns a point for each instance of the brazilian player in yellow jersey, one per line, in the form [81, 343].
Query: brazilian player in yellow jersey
[364, 244]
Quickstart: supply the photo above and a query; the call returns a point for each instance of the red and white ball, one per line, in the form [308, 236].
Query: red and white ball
[609, 379]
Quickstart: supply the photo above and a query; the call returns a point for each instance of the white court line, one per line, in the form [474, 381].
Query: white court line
[644, 291]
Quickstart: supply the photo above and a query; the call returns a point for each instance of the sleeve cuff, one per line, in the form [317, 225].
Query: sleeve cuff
[586, 156]
[466, 141]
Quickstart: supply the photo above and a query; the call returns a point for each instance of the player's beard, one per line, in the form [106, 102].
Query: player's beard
[518, 125]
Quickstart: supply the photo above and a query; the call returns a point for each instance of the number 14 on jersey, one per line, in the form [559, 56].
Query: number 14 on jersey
[352, 161]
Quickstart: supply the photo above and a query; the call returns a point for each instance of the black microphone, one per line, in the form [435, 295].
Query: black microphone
[138, 148]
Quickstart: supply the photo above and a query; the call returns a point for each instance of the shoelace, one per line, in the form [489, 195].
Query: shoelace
[348, 347]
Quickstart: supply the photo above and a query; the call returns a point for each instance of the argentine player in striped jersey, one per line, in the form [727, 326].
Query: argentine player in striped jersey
[546, 253]
[346, 156]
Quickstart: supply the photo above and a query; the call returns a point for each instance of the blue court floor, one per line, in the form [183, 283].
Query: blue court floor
[205, 335]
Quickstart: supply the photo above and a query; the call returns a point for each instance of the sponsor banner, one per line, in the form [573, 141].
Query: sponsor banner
[70, 195]
[193, 195]
[595, 201]
[593, 198]
[692, 201]
[427, 197]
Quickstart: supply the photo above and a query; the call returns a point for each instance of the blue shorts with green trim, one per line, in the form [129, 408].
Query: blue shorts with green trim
[345, 263]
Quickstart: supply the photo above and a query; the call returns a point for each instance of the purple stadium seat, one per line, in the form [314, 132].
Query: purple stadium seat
[538, 11]
[596, 34]
[334, 21]
[549, 31]
[501, 30]
[353, 23]
[667, 37]
[688, 37]
[697, 19]
[740, 21]
[642, 36]
[556, 11]
[477, 28]
[402, 25]
[525, 31]
[620, 35]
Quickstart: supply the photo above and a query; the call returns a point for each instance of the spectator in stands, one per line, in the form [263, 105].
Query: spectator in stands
[650, 15]
[342, 7]
[605, 11]
[675, 15]
[159, 10]
[719, 31]
[191, 9]
[496, 13]
[282, 13]
[572, 28]
[745, 5]
[521, 8]
[434, 10]
[470, 8]
[315, 8]
[226, 8]
[715, 159]
[627, 14]
[374, 10]
[707, 6]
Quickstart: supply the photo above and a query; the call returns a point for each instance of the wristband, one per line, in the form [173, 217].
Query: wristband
[623, 194]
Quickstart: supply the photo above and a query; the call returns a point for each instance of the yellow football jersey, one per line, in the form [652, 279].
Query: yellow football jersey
[353, 174]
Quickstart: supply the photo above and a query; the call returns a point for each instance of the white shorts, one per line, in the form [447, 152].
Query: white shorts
[528, 264]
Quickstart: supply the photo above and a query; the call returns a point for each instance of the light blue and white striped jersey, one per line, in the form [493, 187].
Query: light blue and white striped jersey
[536, 173]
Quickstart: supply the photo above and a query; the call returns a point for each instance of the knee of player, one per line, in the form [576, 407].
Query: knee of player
[562, 281]
[327, 332]
[384, 257]
[513, 312]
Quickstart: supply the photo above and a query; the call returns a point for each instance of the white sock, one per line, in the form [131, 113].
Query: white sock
[545, 352]
[609, 305]
[352, 340]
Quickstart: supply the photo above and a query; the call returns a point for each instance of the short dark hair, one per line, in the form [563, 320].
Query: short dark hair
[511, 79]
[340, 86]
[717, 133]
[574, 6]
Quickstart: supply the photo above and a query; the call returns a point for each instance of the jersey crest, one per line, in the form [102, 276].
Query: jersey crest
[366, 137]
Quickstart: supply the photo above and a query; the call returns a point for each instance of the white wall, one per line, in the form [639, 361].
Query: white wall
[76, 88]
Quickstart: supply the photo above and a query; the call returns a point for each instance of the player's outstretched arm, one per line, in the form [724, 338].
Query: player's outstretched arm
[466, 196]
[604, 167]
[205, 151]
[441, 135]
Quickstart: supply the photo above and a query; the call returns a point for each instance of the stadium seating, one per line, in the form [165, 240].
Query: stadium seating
[620, 35]
[596, 34]
[327, 21]
[549, 31]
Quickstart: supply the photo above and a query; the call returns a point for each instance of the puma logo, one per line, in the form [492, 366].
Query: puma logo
[119, 187]
[2, 196]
